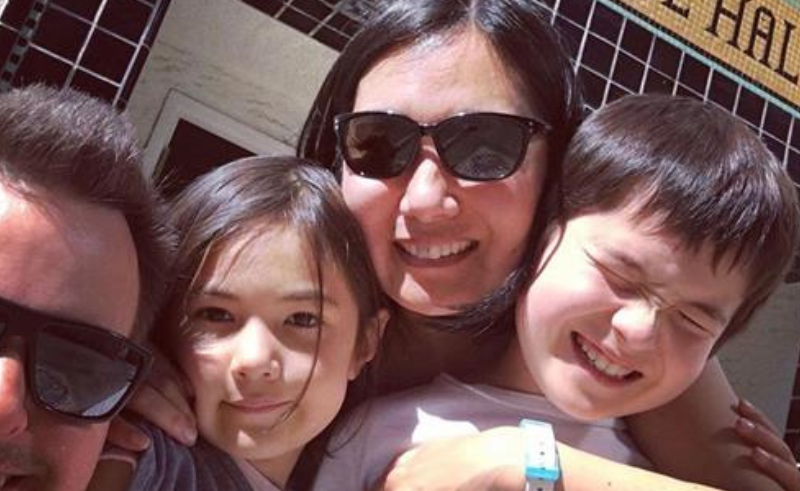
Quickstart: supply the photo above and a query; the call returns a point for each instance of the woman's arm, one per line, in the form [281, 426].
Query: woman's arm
[694, 437]
[493, 460]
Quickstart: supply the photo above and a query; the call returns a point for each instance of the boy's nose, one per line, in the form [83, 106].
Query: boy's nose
[635, 325]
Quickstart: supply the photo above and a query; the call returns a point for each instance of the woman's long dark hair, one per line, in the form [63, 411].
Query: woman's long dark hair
[532, 52]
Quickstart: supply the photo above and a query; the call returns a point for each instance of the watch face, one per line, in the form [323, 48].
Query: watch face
[541, 457]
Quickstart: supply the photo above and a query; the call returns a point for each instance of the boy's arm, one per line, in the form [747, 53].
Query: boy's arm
[694, 437]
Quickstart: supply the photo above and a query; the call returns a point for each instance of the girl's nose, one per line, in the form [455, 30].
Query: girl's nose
[258, 353]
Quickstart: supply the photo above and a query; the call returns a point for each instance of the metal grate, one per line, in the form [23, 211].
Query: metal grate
[331, 22]
[98, 46]
[615, 53]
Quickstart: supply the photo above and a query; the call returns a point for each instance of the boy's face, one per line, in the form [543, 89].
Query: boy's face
[622, 319]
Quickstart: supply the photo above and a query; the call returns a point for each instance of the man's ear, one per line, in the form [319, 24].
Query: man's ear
[368, 347]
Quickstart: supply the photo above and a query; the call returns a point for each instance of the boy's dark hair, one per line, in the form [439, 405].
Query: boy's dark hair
[701, 172]
[535, 58]
[64, 141]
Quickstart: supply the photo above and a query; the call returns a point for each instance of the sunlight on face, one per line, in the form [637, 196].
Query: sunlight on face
[439, 242]
[623, 318]
[248, 346]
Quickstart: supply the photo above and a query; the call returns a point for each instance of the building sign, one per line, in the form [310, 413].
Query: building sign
[760, 39]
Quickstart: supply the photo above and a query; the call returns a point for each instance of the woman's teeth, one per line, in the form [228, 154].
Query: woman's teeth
[603, 364]
[438, 251]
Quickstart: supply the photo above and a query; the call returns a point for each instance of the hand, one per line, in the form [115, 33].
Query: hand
[491, 460]
[164, 401]
[770, 452]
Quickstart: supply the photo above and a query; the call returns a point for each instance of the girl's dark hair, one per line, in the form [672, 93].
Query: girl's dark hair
[530, 50]
[237, 199]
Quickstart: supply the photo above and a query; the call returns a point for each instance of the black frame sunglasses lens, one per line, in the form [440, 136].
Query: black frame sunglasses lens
[482, 147]
[378, 145]
[77, 370]
[473, 146]
[83, 373]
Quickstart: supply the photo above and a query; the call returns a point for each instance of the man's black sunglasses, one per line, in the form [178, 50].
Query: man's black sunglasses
[474, 146]
[75, 369]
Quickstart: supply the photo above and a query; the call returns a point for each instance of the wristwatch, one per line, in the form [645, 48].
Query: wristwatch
[541, 457]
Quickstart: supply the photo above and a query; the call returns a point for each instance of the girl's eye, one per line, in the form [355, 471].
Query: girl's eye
[303, 320]
[212, 314]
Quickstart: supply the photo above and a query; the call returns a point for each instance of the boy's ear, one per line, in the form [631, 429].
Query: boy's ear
[365, 350]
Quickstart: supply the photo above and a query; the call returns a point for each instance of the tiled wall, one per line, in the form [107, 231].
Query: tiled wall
[615, 55]
[98, 46]
[331, 22]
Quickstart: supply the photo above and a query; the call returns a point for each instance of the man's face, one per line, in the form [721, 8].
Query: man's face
[75, 261]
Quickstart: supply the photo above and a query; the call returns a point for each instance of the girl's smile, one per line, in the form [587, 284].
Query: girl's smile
[269, 371]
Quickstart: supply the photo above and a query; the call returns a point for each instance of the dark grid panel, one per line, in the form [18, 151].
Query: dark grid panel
[331, 22]
[96, 45]
[617, 56]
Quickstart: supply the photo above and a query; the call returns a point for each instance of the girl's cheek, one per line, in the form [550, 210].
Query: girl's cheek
[201, 362]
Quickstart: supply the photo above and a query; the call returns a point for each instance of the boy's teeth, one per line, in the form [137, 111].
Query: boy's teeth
[436, 252]
[602, 363]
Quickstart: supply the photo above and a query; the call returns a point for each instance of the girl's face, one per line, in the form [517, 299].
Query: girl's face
[438, 241]
[248, 347]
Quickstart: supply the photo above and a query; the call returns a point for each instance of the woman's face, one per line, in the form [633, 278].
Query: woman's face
[438, 241]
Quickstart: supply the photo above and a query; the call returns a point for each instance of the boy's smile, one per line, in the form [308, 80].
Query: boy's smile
[606, 369]
[622, 318]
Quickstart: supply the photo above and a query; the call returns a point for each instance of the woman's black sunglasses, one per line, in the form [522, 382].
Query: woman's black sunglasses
[74, 369]
[475, 146]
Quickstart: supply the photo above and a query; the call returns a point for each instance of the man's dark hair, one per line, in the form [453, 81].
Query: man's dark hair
[64, 141]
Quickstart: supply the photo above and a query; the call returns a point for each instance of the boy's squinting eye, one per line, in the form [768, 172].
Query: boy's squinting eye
[303, 320]
[621, 285]
[695, 325]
